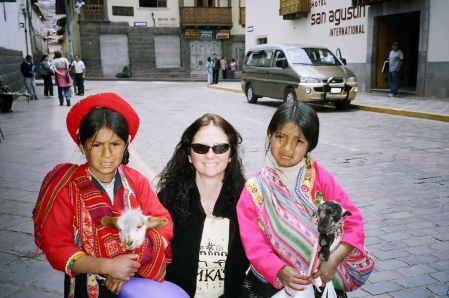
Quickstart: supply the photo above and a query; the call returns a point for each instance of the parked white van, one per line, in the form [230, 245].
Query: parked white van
[297, 72]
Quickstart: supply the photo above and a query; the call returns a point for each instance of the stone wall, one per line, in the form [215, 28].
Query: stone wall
[140, 48]
[10, 61]
[437, 80]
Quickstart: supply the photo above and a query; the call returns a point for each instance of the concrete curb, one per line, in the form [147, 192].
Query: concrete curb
[406, 113]
[225, 89]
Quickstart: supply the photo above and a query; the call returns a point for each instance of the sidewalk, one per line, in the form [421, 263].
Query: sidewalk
[403, 105]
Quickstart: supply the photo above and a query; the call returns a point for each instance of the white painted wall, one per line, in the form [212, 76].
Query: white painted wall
[237, 29]
[37, 35]
[11, 35]
[438, 42]
[143, 14]
[263, 16]
[171, 12]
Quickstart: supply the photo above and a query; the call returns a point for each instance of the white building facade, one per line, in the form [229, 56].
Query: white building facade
[364, 35]
[21, 27]
[156, 39]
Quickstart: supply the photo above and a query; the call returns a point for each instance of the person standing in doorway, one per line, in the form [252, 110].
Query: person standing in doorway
[224, 67]
[395, 60]
[80, 70]
[28, 70]
[216, 70]
[46, 73]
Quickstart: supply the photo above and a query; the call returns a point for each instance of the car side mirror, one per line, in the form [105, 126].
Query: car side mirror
[282, 63]
[343, 60]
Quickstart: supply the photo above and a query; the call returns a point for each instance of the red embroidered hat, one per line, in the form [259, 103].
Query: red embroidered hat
[107, 100]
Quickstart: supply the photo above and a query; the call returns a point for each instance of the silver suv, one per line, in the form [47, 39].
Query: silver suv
[294, 72]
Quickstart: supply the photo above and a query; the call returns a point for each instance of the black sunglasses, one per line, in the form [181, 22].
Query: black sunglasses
[203, 149]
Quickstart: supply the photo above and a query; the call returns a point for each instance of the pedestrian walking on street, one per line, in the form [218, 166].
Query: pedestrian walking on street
[395, 60]
[80, 74]
[224, 68]
[209, 69]
[200, 186]
[216, 69]
[28, 70]
[47, 73]
[232, 66]
[74, 198]
[62, 77]
[278, 209]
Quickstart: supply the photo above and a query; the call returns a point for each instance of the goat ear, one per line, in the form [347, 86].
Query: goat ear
[109, 222]
[156, 222]
[345, 213]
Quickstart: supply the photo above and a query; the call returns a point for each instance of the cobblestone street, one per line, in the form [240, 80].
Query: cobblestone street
[395, 168]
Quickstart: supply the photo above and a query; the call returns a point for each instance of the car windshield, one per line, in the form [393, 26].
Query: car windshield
[312, 56]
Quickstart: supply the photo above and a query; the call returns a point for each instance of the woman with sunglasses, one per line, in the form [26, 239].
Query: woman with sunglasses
[200, 186]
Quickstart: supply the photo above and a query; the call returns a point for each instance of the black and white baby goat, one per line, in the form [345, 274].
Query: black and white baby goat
[329, 215]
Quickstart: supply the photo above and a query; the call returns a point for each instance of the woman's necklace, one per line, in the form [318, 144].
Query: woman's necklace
[102, 182]
[211, 209]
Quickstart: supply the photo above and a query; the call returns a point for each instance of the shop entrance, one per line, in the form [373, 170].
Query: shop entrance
[403, 28]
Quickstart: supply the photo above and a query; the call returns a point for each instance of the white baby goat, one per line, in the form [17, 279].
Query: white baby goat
[132, 225]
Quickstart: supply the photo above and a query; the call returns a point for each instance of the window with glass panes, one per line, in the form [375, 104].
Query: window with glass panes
[153, 3]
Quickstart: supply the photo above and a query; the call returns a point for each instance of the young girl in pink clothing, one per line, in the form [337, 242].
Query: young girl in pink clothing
[232, 66]
[278, 208]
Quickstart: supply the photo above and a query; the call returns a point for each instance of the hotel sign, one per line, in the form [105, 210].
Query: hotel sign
[123, 11]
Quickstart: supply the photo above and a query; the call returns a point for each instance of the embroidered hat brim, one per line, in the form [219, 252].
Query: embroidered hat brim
[107, 100]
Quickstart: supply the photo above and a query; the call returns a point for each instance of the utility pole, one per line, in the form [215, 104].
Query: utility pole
[69, 33]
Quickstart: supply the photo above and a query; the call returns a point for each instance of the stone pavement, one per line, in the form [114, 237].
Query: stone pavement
[394, 168]
[403, 105]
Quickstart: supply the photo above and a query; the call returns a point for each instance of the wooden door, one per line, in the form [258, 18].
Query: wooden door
[403, 28]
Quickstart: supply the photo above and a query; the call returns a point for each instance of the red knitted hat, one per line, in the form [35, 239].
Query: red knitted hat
[107, 100]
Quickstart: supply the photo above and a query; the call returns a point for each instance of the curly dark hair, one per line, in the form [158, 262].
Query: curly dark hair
[177, 179]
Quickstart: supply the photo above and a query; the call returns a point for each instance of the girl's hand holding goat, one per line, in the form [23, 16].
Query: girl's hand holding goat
[132, 226]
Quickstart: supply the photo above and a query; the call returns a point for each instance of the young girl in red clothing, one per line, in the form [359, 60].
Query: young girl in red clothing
[74, 198]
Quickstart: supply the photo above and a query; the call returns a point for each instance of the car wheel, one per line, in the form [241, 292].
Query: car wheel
[342, 104]
[290, 95]
[250, 95]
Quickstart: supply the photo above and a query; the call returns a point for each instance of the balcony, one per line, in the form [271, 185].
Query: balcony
[206, 16]
[294, 9]
[93, 12]
[242, 16]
